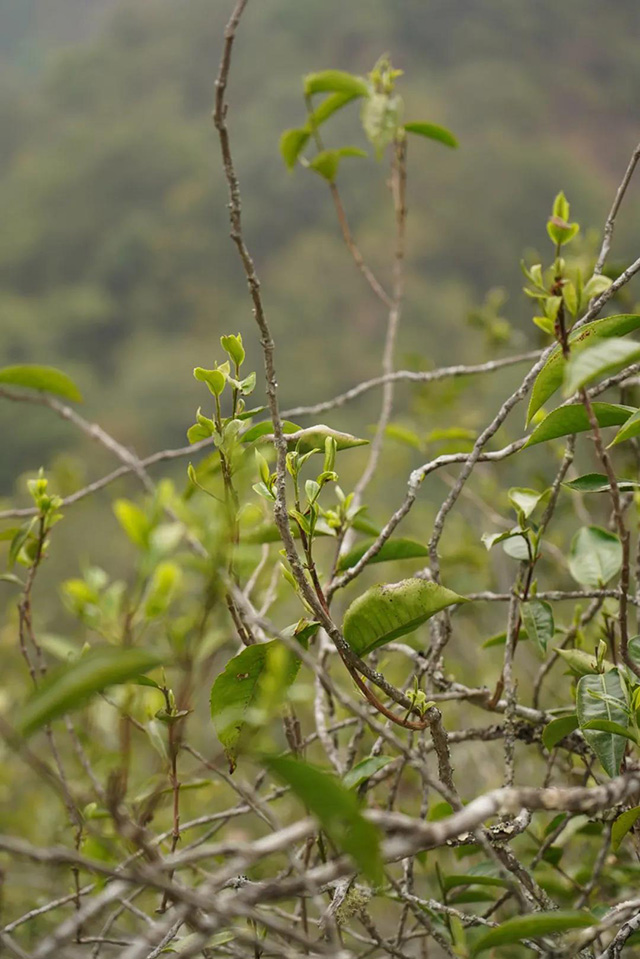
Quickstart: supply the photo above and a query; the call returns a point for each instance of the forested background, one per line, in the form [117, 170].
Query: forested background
[115, 262]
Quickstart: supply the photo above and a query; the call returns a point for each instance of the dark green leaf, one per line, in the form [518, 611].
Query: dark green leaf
[390, 610]
[393, 549]
[555, 731]
[594, 697]
[573, 418]
[364, 770]
[433, 132]
[550, 377]
[71, 685]
[599, 483]
[337, 810]
[609, 726]
[595, 556]
[44, 378]
[532, 926]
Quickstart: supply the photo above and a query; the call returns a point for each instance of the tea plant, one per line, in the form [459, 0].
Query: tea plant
[313, 807]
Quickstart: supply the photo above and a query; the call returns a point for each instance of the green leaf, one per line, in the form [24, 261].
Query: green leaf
[472, 879]
[599, 483]
[393, 549]
[337, 810]
[390, 610]
[537, 618]
[595, 556]
[532, 926]
[630, 429]
[266, 429]
[609, 726]
[215, 379]
[292, 143]
[314, 438]
[594, 696]
[327, 162]
[237, 689]
[550, 377]
[335, 81]
[71, 685]
[364, 770]
[573, 418]
[329, 106]
[433, 132]
[555, 731]
[581, 663]
[232, 345]
[608, 356]
[133, 521]
[525, 500]
[622, 825]
[47, 379]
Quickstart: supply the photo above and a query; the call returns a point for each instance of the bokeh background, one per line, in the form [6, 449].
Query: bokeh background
[115, 261]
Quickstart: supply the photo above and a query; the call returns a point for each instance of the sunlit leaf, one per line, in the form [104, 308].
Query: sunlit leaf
[335, 81]
[630, 429]
[292, 143]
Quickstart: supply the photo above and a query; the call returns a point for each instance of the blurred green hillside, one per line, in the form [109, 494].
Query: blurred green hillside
[115, 262]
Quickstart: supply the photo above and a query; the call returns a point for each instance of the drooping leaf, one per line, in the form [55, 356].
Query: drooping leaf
[337, 810]
[327, 162]
[390, 610]
[335, 81]
[599, 483]
[432, 132]
[292, 143]
[555, 731]
[622, 825]
[602, 358]
[602, 697]
[329, 106]
[237, 689]
[364, 770]
[537, 617]
[532, 926]
[46, 379]
[393, 549]
[573, 418]
[71, 685]
[595, 556]
[630, 429]
[550, 377]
